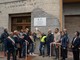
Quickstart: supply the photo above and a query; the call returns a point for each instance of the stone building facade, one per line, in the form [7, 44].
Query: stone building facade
[49, 9]
[18, 14]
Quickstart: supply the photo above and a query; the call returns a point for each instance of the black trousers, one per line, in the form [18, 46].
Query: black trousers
[9, 55]
[75, 54]
[19, 51]
[64, 53]
[28, 47]
[48, 48]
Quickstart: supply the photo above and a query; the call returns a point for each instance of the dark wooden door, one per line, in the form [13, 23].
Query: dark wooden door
[18, 23]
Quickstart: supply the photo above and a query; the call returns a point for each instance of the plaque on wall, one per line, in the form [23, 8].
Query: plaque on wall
[41, 21]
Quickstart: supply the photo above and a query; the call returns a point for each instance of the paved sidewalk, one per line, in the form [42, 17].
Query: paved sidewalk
[42, 58]
[47, 58]
[1, 54]
[37, 57]
[2, 57]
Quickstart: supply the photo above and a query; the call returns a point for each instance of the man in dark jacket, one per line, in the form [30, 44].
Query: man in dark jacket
[26, 38]
[75, 46]
[4, 35]
[49, 39]
[10, 47]
[17, 43]
[66, 34]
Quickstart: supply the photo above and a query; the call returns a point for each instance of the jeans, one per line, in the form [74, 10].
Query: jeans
[24, 51]
[41, 48]
[31, 47]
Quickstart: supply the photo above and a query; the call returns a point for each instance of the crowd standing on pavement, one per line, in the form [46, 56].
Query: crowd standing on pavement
[19, 44]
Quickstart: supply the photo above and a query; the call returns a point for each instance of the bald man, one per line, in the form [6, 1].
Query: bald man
[50, 38]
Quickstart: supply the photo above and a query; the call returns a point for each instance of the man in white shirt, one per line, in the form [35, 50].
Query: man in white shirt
[56, 40]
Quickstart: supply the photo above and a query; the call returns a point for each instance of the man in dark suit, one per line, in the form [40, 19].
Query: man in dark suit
[10, 47]
[27, 39]
[4, 35]
[75, 46]
[49, 39]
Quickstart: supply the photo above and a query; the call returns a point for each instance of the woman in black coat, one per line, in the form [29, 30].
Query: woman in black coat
[75, 46]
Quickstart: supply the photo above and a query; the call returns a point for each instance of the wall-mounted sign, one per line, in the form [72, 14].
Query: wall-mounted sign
[41, 21]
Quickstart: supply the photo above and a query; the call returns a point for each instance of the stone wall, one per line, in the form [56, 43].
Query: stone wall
[5, 1]
[48, 8]
[13, 8]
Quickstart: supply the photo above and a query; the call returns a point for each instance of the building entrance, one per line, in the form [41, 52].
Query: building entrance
[20, 22]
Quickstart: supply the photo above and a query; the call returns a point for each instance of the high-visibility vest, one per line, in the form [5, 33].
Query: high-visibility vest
[43, 39]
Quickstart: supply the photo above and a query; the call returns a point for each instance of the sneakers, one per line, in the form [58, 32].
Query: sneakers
[32, 54]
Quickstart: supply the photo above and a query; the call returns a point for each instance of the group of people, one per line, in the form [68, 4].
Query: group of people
[16, 43]
[20, 43]
[53, 41]
[59, 43]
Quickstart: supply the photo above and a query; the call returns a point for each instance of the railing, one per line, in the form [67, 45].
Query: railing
[59, 47]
